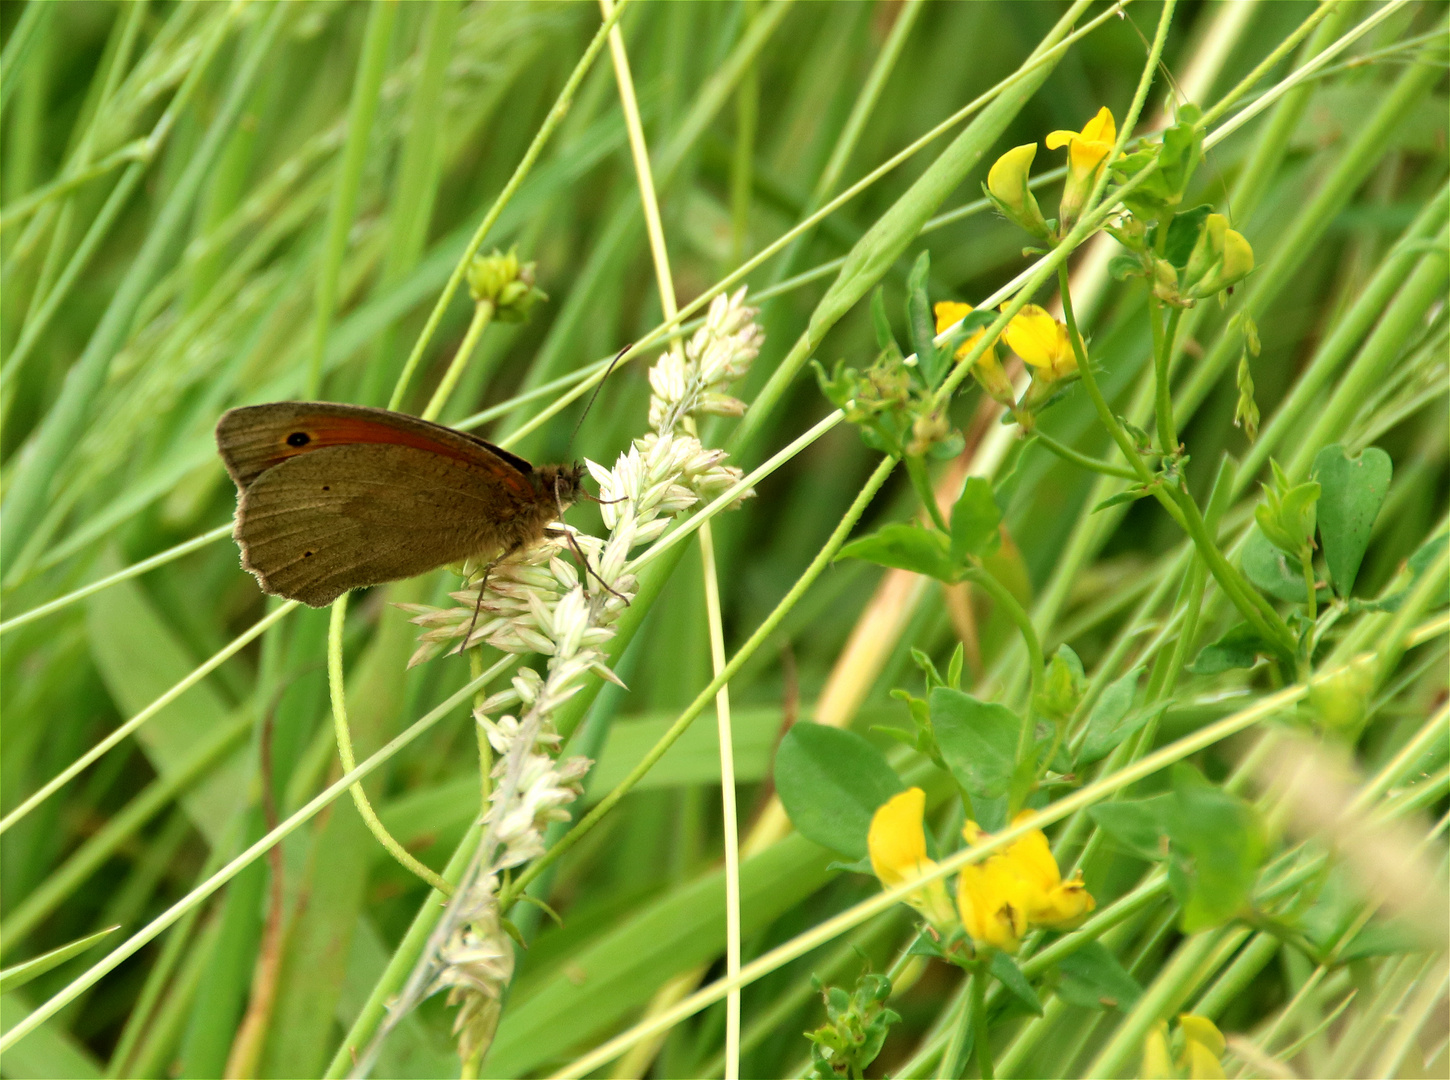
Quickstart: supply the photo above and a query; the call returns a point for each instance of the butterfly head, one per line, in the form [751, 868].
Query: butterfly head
[563, 484]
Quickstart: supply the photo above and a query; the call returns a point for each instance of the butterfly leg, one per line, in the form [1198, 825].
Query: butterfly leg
[588, 569]
[478, 604]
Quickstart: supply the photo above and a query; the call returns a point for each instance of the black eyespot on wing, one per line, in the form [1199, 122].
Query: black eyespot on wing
[298, 438]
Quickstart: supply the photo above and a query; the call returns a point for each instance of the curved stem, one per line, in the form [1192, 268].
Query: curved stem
[1093, 464]
[336, 686]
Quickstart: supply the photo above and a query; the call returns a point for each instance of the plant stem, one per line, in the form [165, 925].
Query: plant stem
[1177, 502]
[916, 469]
[1004, 599]
[1162, 362]
[979, 1021]
[1093, 464]
[1306, 563]
[337, 685]
[482, 316]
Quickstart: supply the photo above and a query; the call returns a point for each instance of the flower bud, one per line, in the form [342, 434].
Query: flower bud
[1341, 697]
[504, 282]
[1007, 188]
[1219, 258]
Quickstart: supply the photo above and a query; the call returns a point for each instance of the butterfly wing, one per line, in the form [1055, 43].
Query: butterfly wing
[346, 516]
[256, 438]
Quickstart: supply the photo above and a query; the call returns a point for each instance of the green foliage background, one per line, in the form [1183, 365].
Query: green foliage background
[190, 222]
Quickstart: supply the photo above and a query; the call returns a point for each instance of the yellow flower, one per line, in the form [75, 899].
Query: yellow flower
[1007, 188]
[897, 845]
[1157, 1060]
[1203, 1046]
[1050, 900]
[1086, 150]
[1018, 887]
[988, 369]
[990, 898]
[1041, 341]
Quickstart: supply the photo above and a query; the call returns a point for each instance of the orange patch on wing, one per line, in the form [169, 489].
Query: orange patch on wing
[324, 431]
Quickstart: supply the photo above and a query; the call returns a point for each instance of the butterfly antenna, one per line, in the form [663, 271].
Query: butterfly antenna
[598, 387]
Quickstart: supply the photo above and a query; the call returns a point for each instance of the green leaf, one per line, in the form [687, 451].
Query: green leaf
[1010, 976]
[978, 740]
[920, 322]
[1183, 234]
[1109, 723]
[19, 974]
[831, 782]
[1092, 978]
[1239, 648]
[1217, 847]
[885, 339]
[48, 1051]
[905, 547]
[1135, 826]
[1270, 570]
[1133, 494]
[1352, 492]
[976, 521]
[1062, 686]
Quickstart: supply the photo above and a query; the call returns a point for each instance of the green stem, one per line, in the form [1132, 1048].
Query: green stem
[704, 698]
[1093, 464]
[1004, 599]
[1162, 361]
[1178, 503]
[1090, 384]
[482, 316]
[950, 1065]
[916, 469]
[336, 685]
[1306, 563]
[979, 1021]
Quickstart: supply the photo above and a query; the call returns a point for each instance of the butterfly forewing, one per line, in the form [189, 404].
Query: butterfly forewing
[344, 517]
[256, 438]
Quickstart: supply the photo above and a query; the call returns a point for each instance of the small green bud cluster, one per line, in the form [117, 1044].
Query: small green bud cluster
[506, 283]
[855, 1028]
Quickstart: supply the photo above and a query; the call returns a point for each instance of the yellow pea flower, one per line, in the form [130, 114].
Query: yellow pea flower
[988, 369]
[990, 898]
[1086, 151]
[1041, 341]
[897, 846]
[1157, 1060]
[1016, 888]
[1007, 188]
[1203, 1046]
[1050, 900]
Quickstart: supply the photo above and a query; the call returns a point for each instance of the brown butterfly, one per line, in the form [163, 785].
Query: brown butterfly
[336, 497]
